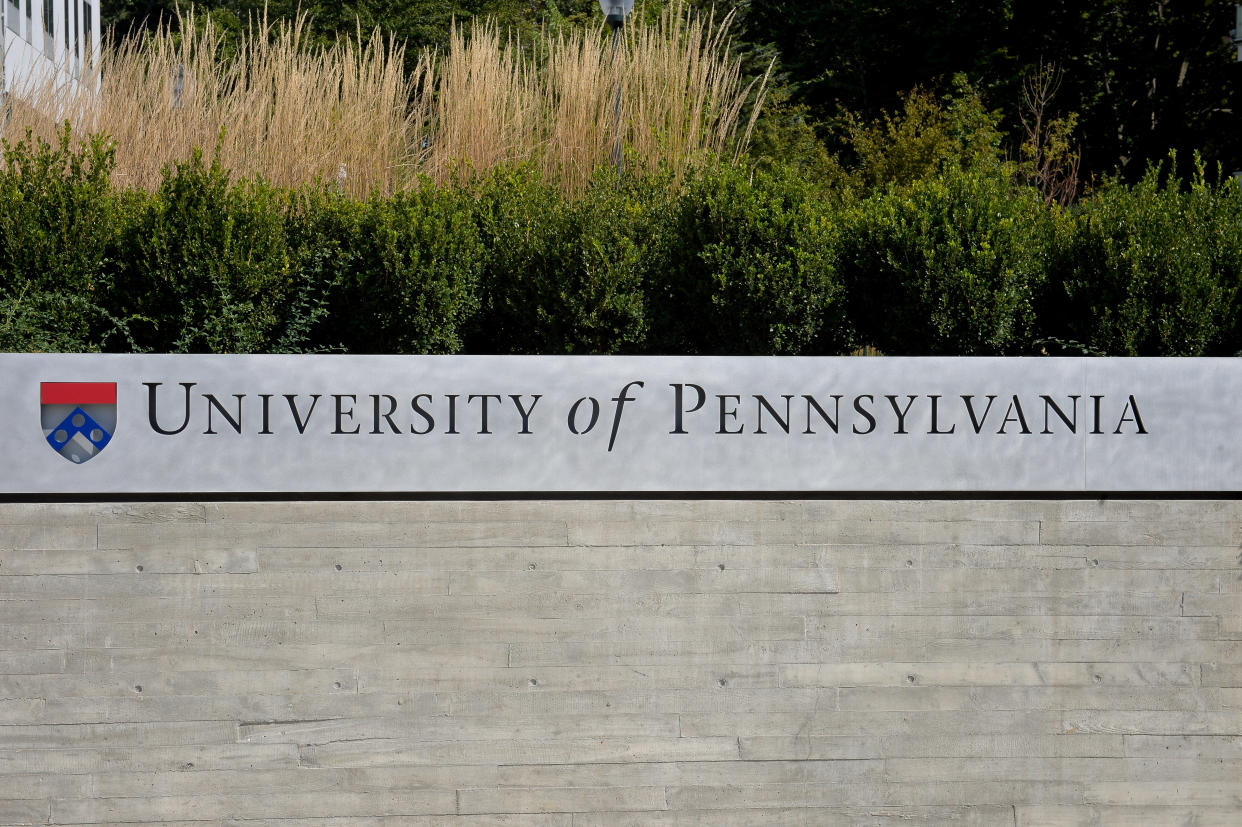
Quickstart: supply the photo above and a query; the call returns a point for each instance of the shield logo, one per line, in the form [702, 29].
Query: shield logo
[79, 418]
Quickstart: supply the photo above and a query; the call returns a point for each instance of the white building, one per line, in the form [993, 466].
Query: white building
[46, 40]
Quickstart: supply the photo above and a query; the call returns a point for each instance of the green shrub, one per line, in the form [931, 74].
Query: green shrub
[204, 267]
[949, 265]
[784, 137]
[58, 234]
[562, 275]
[928, 136]
[1152, 269]
[746, 266]
[318, 226]
[407, 266]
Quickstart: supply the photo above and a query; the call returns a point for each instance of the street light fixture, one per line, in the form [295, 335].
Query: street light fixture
[615, 12]
[4, 89]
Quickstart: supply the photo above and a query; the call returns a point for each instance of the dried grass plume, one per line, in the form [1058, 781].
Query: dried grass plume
[279, 108]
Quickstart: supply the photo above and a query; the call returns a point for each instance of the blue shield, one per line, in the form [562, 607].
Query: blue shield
[79, 418]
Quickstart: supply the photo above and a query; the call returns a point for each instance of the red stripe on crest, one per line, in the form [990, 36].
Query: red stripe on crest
[78, 393]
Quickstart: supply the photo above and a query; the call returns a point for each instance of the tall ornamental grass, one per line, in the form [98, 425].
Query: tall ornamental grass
[682, 99]
[275, 107]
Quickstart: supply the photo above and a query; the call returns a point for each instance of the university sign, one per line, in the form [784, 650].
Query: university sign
[462, 424]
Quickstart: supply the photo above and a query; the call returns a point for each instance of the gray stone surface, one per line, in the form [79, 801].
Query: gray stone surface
[661, 662]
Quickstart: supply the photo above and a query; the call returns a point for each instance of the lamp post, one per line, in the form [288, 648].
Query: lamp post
[615, 12]
[1237, 30]
[4, 89]
[1237, 42]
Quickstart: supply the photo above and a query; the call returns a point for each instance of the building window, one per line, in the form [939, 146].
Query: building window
[67, 52]
[49, 30]
[29, 22]
[88, 27]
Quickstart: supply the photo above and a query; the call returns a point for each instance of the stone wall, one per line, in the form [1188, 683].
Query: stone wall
[622, 662]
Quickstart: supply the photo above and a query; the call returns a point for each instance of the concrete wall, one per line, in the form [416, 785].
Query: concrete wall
[622, 662]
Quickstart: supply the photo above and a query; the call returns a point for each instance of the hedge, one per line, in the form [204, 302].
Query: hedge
[745, 265]
[1150, 270]
[951, 265]
[560, 276]
[59, 225]
[727, 260]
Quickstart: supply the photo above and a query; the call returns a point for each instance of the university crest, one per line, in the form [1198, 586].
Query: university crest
[79, 418]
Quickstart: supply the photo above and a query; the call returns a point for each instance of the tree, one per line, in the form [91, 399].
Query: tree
[1143, 77]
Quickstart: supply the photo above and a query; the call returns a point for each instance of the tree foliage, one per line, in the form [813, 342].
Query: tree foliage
[1143, 78]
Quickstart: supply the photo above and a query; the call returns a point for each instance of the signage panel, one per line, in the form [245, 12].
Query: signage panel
[161, 424]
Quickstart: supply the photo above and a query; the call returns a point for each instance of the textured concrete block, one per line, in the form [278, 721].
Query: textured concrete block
[1056, 581]
[567, 800]
[822, 722]
[824, 747]
[49, 535]
[1171, 815]
[1222, 674]
[271, 805]
[989, 674]
[566, 679]
[387, 752]
[445, 728]
[915, 698]
[639, 701]
[124, 561]
[586, 662]
[25, 811]
[688, 581]
[231, 635]
[569, 629]
[441, 820]
[322, 535]
[146, 759]
[708, 532]
[402, 660]
[93, 513]
[1204, 748]
[1142, 533]
[31, 786]
[875, 816]
[118, 735]
[480, 559]
[1085, 627]
[937, 794]
[1058, 769]
[1154, 722]
[1211, 793]
[1211, 605]
[33, 662]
